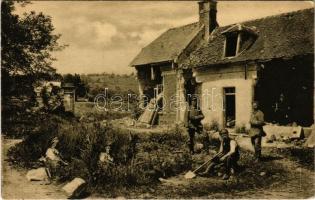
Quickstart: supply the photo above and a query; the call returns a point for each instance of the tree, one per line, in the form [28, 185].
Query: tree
[81, 87]
[26, 46]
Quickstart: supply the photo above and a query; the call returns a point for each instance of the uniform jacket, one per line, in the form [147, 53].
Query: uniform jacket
[257, 123]
[194, 118]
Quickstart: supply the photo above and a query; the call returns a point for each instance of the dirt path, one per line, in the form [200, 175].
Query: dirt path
[299, 183]
[16, 186]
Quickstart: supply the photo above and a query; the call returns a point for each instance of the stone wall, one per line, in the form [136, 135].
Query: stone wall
[169, 90]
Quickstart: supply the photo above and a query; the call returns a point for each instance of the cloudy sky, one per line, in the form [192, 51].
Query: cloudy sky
[104, 36]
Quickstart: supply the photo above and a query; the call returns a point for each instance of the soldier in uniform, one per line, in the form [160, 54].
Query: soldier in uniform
[228, 155]
[194, 123]
[256, 131]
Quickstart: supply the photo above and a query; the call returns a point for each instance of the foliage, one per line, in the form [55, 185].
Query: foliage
[53, 101]
[37, 139]
[90, 113]
[138, 160]
[26, 46]
[98, 82]
[82, 88]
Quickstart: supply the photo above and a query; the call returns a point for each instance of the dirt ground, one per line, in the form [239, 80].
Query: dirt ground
[299, 183]
[16, 186]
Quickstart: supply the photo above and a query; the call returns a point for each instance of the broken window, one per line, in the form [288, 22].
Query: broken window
[238, 38]
[231, 45]
[246, 41]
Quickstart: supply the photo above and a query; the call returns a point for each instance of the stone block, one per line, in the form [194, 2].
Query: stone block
[39, 174]
[75, 188]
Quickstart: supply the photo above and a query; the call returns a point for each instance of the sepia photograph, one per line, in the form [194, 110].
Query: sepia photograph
[203, 99]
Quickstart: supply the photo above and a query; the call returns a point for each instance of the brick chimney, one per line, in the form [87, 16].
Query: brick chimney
[208, 16]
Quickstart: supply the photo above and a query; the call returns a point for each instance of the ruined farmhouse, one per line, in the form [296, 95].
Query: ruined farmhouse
[229, 67]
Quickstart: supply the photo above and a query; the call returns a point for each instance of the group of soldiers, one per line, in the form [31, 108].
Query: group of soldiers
[228, 154]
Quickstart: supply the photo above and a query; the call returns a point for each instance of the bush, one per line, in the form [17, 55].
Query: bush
[36, 141]
[138, 160]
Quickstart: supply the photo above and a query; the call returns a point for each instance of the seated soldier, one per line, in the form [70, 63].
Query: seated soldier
[228, 155]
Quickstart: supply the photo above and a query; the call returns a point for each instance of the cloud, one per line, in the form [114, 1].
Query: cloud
[147, 36]
[87, 33]
[104, 36]
[104, 32]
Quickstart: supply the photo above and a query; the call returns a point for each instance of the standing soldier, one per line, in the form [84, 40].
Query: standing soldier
[256, 130]
[194, 123]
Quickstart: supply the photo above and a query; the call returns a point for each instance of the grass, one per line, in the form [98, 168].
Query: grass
[111, 81]
[303, 156]
[137, 160]
[89, 113]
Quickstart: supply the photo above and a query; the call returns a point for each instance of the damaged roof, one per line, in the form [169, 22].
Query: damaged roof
[167, 46]
[280, 36]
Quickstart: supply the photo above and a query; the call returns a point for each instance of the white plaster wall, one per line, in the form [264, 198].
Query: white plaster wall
[212, 100]
[213, 83]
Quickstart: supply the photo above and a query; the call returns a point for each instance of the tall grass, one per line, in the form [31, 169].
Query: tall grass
[138, 159]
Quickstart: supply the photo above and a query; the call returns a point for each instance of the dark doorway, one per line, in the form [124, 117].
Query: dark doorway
[293, 80]
[190, 87]
[229, 114]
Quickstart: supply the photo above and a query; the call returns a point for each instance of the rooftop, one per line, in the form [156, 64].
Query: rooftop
[279, 36]
[167, 46]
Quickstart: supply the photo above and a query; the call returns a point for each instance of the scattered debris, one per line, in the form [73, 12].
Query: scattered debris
[105, 158]
[286, 132]
[262, 174]
[120, 198]
[162, 180]
[145, 196]
[75, 188]
[284, 145]
[232, 180]
[149, 113]
[271, 139]
[104, 123]
[198, 147]
[40, 174]
[310, 142]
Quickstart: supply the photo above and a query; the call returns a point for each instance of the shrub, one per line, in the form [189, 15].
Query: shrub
[36, 141]
[138, 160]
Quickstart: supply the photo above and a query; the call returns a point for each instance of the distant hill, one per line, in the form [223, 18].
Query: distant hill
[113, 82]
